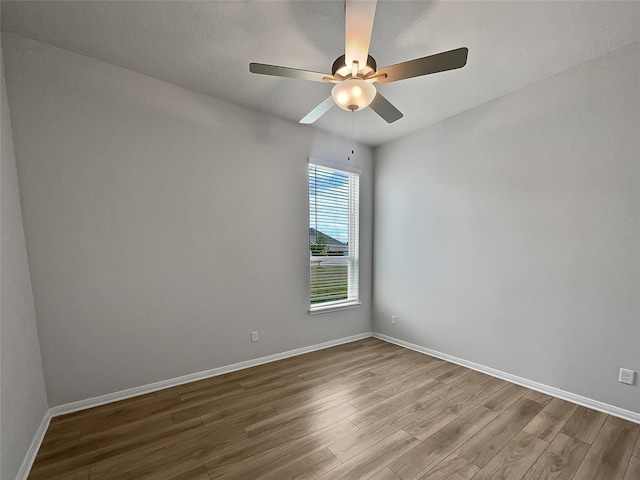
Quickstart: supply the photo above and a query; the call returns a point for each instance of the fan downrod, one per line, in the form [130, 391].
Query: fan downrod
[340, 68]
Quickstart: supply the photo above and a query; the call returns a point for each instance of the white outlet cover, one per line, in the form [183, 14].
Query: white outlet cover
[626, 376]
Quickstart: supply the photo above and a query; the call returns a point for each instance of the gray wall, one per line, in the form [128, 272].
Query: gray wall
[163, 226]
[23, 400]
[509, 235]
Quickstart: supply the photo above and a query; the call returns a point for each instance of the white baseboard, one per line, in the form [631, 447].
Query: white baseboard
[540, 387]
[172, 382]
[30, 457]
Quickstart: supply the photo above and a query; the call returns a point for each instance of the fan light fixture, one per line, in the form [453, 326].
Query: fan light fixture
[353, 94]
[355, 72]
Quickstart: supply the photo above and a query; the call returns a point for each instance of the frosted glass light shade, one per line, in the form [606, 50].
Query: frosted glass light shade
[353, 94]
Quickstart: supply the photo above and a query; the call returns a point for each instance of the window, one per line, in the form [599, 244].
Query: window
[333, 237]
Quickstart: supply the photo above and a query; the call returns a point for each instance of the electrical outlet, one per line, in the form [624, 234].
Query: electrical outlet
[626, 376]
[394, 319]
[254, 336]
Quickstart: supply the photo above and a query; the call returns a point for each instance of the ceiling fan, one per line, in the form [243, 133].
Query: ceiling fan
[355, 72]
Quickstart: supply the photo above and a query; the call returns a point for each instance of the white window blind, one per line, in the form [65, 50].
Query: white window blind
[333, 237]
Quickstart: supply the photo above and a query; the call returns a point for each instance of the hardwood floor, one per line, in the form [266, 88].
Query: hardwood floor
[363, 410]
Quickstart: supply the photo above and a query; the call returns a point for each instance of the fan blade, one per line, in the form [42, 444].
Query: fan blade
[320, 110]
[274, 70]
[385, 109]
[359, 24]
[440, 62]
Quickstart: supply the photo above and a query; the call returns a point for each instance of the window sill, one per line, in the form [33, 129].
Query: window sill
[334, 308]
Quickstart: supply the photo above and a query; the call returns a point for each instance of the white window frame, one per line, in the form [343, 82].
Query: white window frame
[353, 257]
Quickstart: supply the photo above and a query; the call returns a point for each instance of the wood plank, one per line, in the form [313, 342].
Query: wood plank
[233, 405]
[369, 462]
[92, 453]
[494, 384]
[609, 455]
[368, 361]
[241, 420]
[182, 453]
[621, 422]
[391, 389]
[82, 474]
[550, 420]
[347, 388]
[195, 472]
[506, 397]
[385, 474]
[309, 467]
[560, 460]
[432, 451]
[539, 397]
[64, 440]
[452, 375]
[464, 382]
[324, 411]
[464, 427]
[274, 451]
[440, 367]
[367, 436]
[438, 417]
[269, 464]
[584, 424]
[389, 405]
[404, 362]
[485, 444]
[357, 370]
[452, 468]
[514, 459]
[177, 468]
[120, 431]
[101, 411]
[106, 416]
[217, 391]
[420, 460]
[54, 445]
[633, 469]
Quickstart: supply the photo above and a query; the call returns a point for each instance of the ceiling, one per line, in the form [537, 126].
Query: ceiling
[207, 46]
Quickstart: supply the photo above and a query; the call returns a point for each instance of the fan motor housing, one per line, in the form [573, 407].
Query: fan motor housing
[340, 67]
